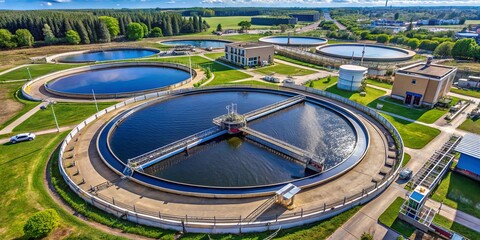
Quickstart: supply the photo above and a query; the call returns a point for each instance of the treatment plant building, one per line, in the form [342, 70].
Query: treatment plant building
[423, 83]
[249, 53]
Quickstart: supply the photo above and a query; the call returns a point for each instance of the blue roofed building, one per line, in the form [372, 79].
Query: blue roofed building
[469, 161]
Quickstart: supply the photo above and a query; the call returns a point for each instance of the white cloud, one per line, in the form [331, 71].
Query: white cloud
[49, 4]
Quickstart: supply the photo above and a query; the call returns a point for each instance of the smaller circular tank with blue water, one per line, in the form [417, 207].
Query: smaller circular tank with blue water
[107, 55]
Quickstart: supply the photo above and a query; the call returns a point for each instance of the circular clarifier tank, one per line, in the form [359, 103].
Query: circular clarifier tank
[234, 161]
[117, 79]
[369, 52]
[294, 41]
[107, 55]
[198, 43]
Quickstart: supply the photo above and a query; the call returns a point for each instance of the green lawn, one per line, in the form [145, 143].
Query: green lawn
[36, 71]
[379, 84]
[372, 94]
[323, 83]
[470, 93]
[389, 218]
[456, 227]
[215, 55]
[284, 69]
[223, 74]
[425, 115]
[254, 82]
[459, 192]
[414, 135]
[230, 22]
[471, 125]
[67, 114]
[21, 174]
[406, 159]
[306, 64]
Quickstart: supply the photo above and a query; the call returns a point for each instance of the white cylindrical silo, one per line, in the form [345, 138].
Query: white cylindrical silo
[351, 76]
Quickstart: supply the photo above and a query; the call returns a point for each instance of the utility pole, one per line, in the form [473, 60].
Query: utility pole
[29, 74]
[51, 103]
[190, 62]
[95, 99]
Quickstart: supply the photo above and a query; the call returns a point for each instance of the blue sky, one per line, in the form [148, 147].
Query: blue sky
[72, 4]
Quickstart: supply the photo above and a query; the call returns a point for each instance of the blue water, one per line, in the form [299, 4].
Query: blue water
[232, 161]
[198, 43]
[356, 50]
[118, 80]
[294, 40]
[107, 55]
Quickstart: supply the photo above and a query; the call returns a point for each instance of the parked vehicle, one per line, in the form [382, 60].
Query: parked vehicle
[406, 174]
[22, 137]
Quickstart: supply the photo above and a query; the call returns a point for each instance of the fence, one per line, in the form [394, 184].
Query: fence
[217, 224]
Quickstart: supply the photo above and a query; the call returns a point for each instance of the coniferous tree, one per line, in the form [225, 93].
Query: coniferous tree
[82, 32]
[102, 32]
[48, 34]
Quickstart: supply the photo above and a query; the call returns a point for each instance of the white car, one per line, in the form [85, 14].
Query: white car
[22, 137]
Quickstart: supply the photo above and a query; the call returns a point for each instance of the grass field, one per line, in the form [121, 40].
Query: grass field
[456, 227]
[372, 94]
[287, 59]
[17, 106]
[36, 71]
[284, 69]
[379, 84]
[214, 55]
[255, 82]
[323, 83]
[459, 192]
[223, 74]
[389, 218]
[67, 114]
[472, 66]
[230, 22]
[21, 174]
[470, 93]
[414, 135]
[471, 125]
[406, 159]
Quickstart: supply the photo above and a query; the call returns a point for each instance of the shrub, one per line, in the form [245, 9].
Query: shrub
[366, 236]
[383, 38]
[72, 37]
[413, 43]
[156, 32]
[444, 50]
[135, 31]
[41, 224]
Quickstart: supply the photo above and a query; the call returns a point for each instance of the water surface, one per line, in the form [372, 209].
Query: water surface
[106, 55]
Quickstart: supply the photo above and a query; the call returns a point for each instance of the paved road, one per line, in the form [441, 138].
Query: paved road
[329, 18]
[456, 215]
[43, 132]
[9, 128]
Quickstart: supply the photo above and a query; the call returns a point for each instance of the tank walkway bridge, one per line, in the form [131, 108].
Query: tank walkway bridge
[308, 159]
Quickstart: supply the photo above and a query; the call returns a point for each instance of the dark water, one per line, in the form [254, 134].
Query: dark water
[370, 51]
[108, 55]
[119, 80]
[232, 161]
[294, 40]
[198, 43]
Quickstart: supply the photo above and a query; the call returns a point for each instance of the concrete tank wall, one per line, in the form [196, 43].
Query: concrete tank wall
[350, 77]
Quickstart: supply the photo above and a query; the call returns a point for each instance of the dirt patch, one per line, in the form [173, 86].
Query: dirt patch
[9, 106]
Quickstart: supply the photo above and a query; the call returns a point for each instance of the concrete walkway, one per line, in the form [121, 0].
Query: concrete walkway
[455, 215]
[43, 132]
[9, 128]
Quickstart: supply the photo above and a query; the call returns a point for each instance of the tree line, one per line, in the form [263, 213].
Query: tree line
[92, 26]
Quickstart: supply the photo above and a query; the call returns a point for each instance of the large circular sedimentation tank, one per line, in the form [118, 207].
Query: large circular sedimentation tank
[200, 43]
[294, 41]
[107, 55]
[350, 77]
[120, 79]
[372, 52]
[233, 164]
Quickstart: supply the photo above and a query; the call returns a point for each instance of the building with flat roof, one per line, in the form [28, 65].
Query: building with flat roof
[469, 161]
[423, 83]
[249, 53]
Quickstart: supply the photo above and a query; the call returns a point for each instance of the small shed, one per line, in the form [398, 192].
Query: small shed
[469, 161]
